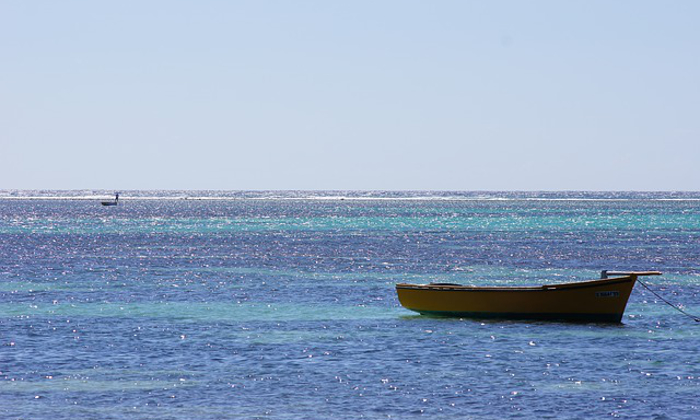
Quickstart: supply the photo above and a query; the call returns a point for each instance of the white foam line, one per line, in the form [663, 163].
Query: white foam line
[339, 198]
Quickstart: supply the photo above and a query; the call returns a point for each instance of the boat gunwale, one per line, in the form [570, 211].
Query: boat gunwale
[545, 287]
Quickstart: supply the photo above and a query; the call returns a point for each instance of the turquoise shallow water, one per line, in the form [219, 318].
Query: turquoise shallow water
[281, 306]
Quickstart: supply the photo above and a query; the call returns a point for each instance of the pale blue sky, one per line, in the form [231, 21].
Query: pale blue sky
[400, 95]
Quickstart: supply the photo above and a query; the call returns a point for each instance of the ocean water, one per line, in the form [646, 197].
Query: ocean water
[281, 305]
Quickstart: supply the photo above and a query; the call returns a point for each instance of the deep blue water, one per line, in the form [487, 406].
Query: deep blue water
[281, 305]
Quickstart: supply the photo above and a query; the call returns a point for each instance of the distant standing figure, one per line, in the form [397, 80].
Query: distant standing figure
[112, 203]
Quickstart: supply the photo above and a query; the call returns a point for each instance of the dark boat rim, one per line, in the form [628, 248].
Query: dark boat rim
[547, 287]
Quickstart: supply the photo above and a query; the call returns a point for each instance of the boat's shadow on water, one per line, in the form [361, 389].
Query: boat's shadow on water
[512, 322]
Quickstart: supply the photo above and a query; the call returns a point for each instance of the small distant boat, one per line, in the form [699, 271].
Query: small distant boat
[112, 203]
[601, 300]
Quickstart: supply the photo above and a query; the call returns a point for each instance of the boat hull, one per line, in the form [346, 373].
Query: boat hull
[591, 301]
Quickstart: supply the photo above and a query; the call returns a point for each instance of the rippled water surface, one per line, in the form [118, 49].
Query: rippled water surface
[209, 305]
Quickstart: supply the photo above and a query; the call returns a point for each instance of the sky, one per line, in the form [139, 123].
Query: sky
[350, 95]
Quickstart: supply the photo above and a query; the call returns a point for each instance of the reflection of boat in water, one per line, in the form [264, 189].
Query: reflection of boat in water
[601, 300]
[112, 203]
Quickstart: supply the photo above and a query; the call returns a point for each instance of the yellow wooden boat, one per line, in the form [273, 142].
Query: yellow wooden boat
[601, 300]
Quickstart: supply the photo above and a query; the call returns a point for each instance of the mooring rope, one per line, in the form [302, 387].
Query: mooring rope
[693, 317]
